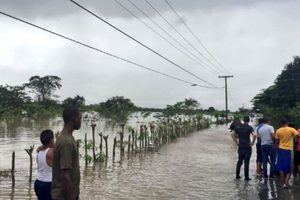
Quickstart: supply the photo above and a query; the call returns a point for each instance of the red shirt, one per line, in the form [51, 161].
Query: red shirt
[298, 142]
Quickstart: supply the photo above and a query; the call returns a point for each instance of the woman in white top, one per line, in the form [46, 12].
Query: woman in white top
[42, 185]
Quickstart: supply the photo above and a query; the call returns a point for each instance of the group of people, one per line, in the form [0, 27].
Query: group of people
[274, 148]
[58, 163]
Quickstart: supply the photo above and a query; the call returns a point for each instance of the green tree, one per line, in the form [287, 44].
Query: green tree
[187, 107]
[282, 99]
[211, 109]
[12, 100]
[118, 109]
[190, 105]
[285, 92]
[44, 87]
[77, 101]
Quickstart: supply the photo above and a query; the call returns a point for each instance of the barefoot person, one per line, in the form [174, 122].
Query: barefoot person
[66, 173]
[241, 136]
[284, 136]
[42, 184]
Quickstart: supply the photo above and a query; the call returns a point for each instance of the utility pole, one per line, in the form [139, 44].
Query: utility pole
[226, 95]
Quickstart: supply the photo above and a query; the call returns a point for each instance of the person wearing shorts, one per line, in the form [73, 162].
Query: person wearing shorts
[284, 136]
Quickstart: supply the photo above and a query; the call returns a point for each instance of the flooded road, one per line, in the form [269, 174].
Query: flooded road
[199, 166]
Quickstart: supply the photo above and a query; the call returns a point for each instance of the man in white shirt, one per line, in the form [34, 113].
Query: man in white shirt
[267, 134]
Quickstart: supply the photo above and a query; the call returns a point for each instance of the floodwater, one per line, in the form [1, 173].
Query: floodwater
[199, 166]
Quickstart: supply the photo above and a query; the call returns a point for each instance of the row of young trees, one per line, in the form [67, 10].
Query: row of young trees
[282, 99]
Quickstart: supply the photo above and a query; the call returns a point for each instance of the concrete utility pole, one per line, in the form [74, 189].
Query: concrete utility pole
[226, 95]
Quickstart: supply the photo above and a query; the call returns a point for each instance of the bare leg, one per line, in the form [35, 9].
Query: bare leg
[287, 180]
[258, 169]
[282, 177]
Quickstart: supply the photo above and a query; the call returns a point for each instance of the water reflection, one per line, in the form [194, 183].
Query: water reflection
[199, 166]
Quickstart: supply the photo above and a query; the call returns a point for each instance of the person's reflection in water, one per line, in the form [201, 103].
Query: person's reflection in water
[267, 190]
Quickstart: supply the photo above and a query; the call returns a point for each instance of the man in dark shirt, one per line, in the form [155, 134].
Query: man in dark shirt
[235, 123]
[66, 171]
[241, 136]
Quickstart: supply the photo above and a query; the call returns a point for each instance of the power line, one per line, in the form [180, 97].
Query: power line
[194, 35]
[98, 50]
[175, 29]
[142, 44]
[232, 99]
[153, 30]
[202, 63]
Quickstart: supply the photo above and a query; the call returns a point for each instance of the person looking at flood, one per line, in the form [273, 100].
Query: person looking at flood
[241, 136]
[284, 136]
[235, 123]
[259, 156]
[297, 155]
[42, 184]
[267, 135]
[66, 171]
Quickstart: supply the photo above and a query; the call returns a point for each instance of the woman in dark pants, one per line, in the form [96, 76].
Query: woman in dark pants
[259, 156]
[42, 185]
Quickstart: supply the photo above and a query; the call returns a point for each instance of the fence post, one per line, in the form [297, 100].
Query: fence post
[106, 146]
[100, 147]
[122, 139]
[29, 152]
[85, 149]
[129, 144]
[93, 125]
[114, 148]
[13, 169]
[133, 141]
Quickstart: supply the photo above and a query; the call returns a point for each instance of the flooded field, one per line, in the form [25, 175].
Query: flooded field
[199, 166]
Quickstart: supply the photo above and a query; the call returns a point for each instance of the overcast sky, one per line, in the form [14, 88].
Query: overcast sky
[252, 39]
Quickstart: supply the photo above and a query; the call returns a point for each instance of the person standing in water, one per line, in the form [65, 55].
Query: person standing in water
[259, 156]
[284, 136]
[241, 136]
[66, 171]
[297, 155]
[42, 184]
[235, 123]
[267, 135]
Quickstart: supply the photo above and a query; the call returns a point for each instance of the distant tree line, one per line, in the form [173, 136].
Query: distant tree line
[37, 99]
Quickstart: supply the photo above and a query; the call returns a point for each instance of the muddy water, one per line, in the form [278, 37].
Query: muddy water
[199, 166]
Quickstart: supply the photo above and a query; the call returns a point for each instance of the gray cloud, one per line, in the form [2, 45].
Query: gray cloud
[58, 8]
[253, 40]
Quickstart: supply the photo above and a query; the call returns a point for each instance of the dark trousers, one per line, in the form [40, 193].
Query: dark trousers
[42, 190]
[269, 152]
[244, 156]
